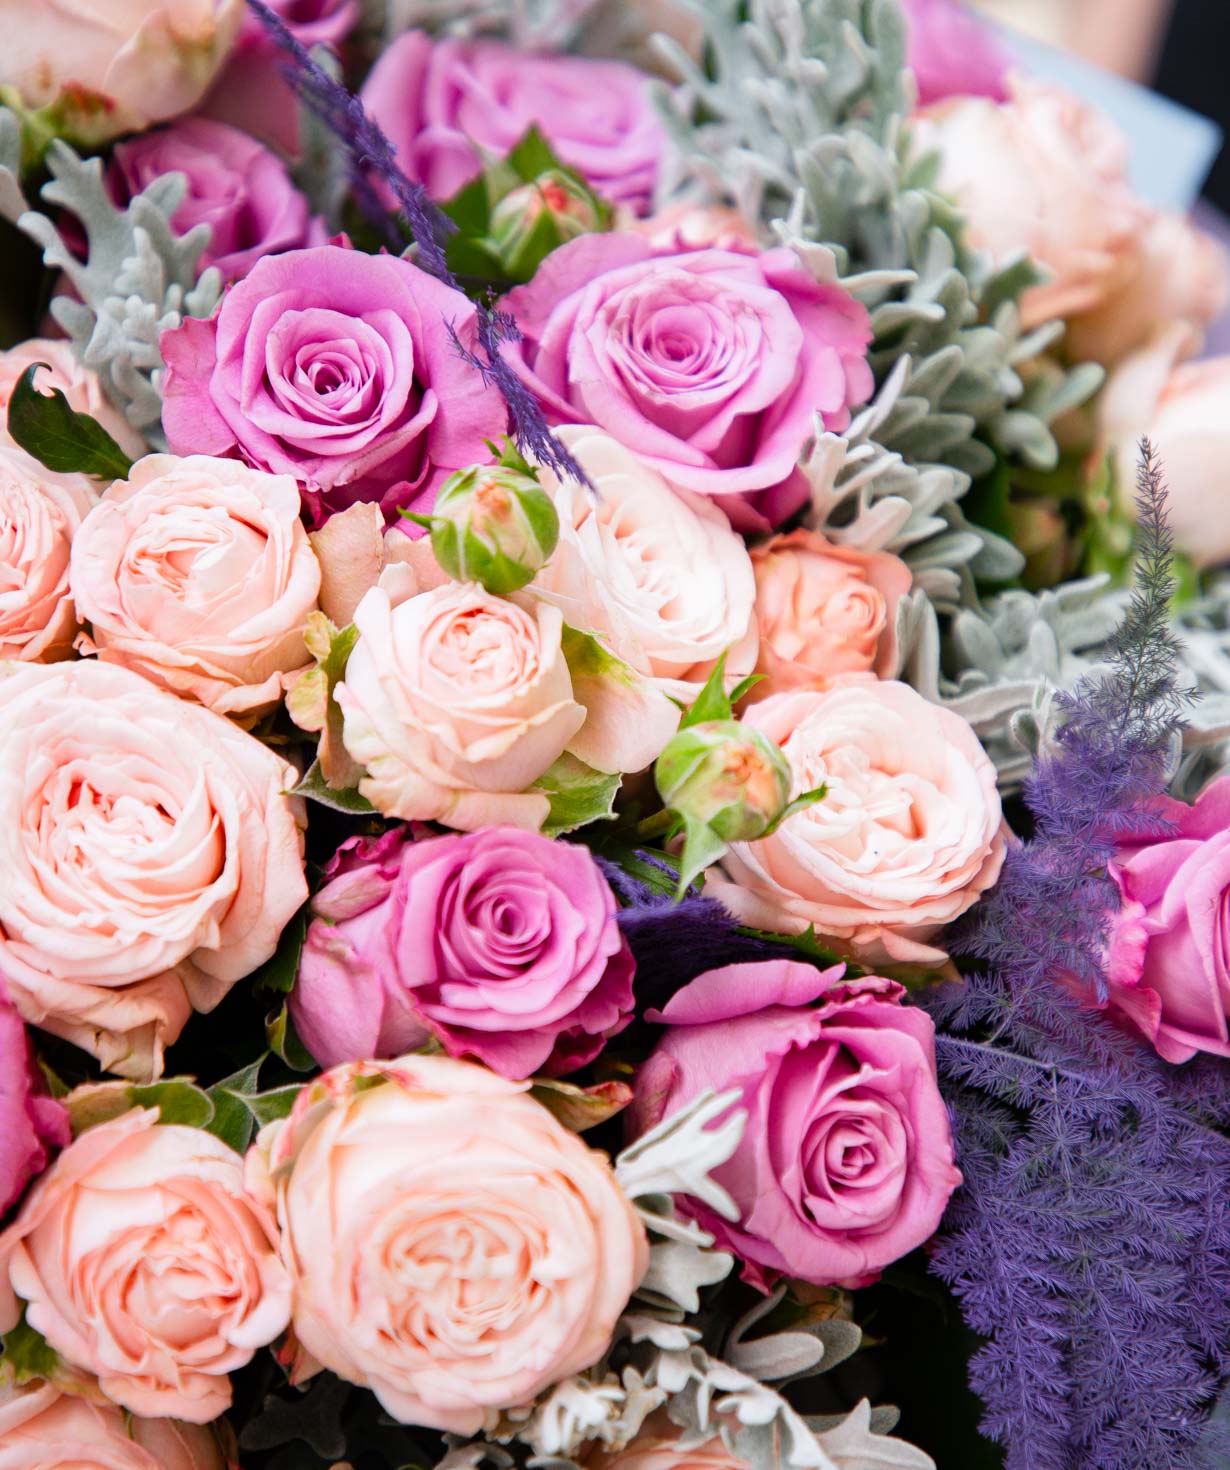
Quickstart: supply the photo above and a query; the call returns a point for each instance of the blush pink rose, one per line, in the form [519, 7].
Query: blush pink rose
[1169, 955]
[825, 612]
[140, 1259]
[846, 1162]
[1047, 174]
[339, 368]
[952, 53]
[502, 944]
[710, 365]
[40, 513]
[657, 1447]
[31, 1123]
[79, 384]
[238, 188]
[198, 574]
[44, 1429]
[447, 104]
[452, 1247]
[657, 575]
[456, 702]
[907, 838]
[149, 853]
[99, 68]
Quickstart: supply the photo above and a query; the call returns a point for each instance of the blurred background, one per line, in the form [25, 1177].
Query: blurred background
[1179, 47]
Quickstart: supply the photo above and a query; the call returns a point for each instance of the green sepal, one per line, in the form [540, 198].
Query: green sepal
[57, 436]
[701, 849]
[799, 804]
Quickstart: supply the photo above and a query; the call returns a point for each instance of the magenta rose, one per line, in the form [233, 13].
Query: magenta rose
[31, 1123]
[846, 1162]
[952, 53]
[709, 365]
[338, 368]
[445, 104]
[500, 943]
[252, 92]
[235, 186]
[1169, 953]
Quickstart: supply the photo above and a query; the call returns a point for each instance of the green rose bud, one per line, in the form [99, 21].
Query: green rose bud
[493, 525]
[725, 776]
[553, 208]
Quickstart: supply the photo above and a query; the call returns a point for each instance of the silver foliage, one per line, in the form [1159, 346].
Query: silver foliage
[138, 280]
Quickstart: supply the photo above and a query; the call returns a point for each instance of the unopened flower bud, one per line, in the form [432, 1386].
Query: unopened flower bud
[571, 208]
[730, 777]
[493, 525]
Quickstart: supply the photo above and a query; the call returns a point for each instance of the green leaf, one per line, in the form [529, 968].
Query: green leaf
[701, 849]
[533, 155]
[233, 1122]
[338, 799]
[279, 971]
[579, 1108]
[46, 427]
[578, 795]
[285, 1044]
[27, 1354]
[712, 703]
[264, 1107]
[806, 944]
[178, 1100]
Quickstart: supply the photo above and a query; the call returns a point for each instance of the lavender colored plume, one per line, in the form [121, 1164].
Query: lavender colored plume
[369, 153]
[1091, 1240]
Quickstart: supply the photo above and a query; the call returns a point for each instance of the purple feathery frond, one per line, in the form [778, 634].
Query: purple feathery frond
[1090, 1243]
[370, 154]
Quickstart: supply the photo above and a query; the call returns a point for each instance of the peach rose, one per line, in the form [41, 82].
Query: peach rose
[44, 1429]
[656, 574]
[907, 838]
[1181, 277]
[140, 1259]
[825, 612]
[1043, 173]
[657, 1447]
[198, 574]
[79, 384]
[1186, 413]
[452, 1247]
[39, 515]
[456, 702]
[148, 854]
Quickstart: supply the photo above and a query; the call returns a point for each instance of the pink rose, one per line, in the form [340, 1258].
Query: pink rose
[657, 1447]
[908, 836]
[446, 104]
[99, 68]
[697, 227]
[709, 365]
[1181, 278]
[952, 54]
[657, 575]
[235, 186]
[825, 612]
[1169, 956]
[338, 368]
[31, 1123]
[453, 1248]
[43, 1429]
[846, 1162]
[149, 852]
[79, 384]
[40, 512]
[251, 93]
[140, 1259]
[457, 702]
[502, 944]
[1047, 174]
[197, 574]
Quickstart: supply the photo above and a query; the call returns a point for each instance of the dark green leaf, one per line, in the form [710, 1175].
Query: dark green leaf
[177, 1099]
[279, 971]
[46, 427]
[27, 1354]
[233, 1122]
[316, 788]
[285, 1044]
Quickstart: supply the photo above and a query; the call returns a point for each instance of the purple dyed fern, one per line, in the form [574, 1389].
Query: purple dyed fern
[371, 155]
[1091, 1241]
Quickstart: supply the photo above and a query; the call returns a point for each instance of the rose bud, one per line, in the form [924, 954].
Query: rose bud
[555, 203]
[494, 525]
[727, 776]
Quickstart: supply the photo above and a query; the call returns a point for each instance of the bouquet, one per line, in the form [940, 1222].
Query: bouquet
[614, 833]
